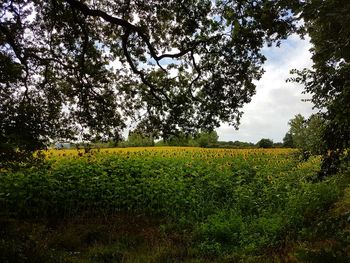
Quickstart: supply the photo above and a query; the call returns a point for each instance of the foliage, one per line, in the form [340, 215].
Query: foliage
[23, 133]
[307, 135]
[76, 69]
[207, 139]
[288, 140]
[315, 134]
[327, 23]
[265, 143]
[136, 139]
[236, 144]
[180, 139]
[201, 139]
[298, 130]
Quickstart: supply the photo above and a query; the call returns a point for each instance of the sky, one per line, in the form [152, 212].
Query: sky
[275, 101]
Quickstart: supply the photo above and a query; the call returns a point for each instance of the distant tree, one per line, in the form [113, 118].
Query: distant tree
[277, 144]
[265, 143]
[315, 132]
[136, 139]
[288, 140]
[308, 134]
[230, 143]
[239, 144]
[298, 130]
[178, 139]
[207, 139]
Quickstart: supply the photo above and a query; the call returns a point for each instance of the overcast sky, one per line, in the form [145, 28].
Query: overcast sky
[275, 101]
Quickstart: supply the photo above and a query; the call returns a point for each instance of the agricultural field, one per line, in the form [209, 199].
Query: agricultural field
[174, 204]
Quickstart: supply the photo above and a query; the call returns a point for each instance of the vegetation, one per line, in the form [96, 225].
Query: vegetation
[136, 139]
[307, 135]
[221, 204]
[288, 140]
[327, 23]
[201, 139]
[265, 143]
[207, 139]
[75, 70]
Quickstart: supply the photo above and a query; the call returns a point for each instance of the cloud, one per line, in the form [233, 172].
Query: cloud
[276, 101]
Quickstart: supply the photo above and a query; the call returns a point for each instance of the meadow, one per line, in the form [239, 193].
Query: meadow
[173, 204]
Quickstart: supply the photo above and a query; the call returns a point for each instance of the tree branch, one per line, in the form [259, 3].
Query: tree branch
[140, 31]
[18, 52]
[199, 74]
[134, 68]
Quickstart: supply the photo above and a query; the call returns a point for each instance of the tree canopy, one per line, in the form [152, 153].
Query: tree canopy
[74, 68]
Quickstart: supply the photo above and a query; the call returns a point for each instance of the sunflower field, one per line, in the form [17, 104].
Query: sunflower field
[229, 204]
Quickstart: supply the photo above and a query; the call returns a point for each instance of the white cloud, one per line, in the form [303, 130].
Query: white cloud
[276, 101]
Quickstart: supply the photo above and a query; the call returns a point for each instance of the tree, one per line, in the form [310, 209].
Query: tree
[137, 139]
[179, 139]
[298, 130]
[80, 69]
[307, 134]
[315, 134]
[277, 145]
[328, 25]
[207, 139]
[265, 143]
[288, 140]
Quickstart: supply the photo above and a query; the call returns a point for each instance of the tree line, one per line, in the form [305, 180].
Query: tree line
[201, 139]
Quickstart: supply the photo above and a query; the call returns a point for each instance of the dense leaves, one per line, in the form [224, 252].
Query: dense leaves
[328, 25]
[307, 134]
